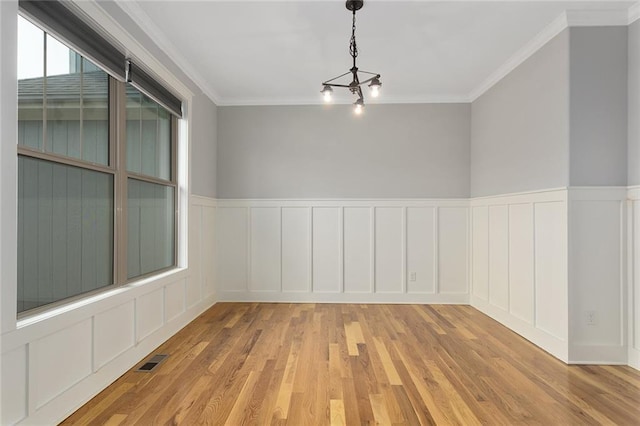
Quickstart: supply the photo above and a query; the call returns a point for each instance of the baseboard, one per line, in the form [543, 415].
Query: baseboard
[634, 358]
[58, 408]
[552, 344]
[598, 354]
[305, 297]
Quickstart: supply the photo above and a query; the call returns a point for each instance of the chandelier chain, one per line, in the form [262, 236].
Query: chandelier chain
[353, 48]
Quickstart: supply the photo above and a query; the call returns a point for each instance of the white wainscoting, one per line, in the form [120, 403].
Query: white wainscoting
[597, 274]
[50, 367]
[519, 265]
[633, 245]
[543, 262]
[364, 251]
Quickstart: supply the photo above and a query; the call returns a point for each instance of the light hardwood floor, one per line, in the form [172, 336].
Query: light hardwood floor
[317, 364]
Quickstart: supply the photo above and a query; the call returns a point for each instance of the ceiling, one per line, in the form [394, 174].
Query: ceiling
[278, 52]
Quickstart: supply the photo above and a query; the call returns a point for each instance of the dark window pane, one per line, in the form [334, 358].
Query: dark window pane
[134, 111]
[95, 114]
[77, 105]
[164, 144]
[65, 231]
[148, 136]
[151, 227]
[63, 86]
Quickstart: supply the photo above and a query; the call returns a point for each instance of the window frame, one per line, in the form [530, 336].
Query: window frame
[117, 168]
[123, 182]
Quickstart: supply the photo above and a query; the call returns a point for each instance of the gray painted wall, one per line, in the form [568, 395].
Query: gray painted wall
[598, 106]
[203, 147]
[633, 172]
[391, 151]
[520, 127]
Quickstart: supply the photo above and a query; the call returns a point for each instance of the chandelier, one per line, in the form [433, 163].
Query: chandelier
[355, 86]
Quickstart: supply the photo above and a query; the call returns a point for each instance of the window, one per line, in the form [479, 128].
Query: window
[150, 188]
[89, 145]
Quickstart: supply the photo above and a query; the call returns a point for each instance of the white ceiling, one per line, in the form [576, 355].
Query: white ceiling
[278, 52]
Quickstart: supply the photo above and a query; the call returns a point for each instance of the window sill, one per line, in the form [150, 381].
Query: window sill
[40, 324]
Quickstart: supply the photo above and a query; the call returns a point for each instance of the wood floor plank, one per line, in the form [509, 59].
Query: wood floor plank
[392, 375]
[266, 391]
[361, 385]
[428, 396]
[408, 410]
[336, 407]
[241, 408]
[351, 410]
[340, 364]
[380, 412]
[233, 374]
[118, 391]
[286, 387]
[335, 376]
[393, 408]
[115, 420]
[354, 336]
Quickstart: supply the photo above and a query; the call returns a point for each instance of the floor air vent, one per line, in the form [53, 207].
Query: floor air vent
[152, 363]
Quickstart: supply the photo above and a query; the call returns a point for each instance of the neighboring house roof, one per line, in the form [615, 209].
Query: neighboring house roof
[67, 86]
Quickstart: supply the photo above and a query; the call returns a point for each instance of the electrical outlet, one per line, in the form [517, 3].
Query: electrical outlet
[412, 276]
[592, 318]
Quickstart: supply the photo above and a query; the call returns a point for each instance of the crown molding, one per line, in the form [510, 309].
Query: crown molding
[536, 43]
[634, 13]
[136, 13]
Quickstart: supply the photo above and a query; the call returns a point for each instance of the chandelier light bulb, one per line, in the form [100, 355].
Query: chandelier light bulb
[375, 86]
[327, 92]
[359, 106]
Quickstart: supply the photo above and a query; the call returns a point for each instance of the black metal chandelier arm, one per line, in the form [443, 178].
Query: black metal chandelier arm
[336, 85]
[369, 80]
[359, 83]
[370, 73]
[335, 78]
